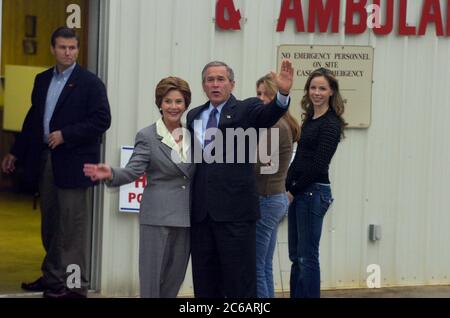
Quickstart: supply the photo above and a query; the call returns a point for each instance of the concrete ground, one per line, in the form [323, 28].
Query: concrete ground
[442, 291]
[387, 292]
[391, 292]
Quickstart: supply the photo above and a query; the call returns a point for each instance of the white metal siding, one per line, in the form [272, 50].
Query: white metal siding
[396, 173]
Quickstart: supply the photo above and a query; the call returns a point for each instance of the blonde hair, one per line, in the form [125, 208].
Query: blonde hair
[271, 90]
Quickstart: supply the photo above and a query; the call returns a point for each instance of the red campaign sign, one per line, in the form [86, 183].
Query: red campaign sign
[138, 181]
[131, 194]
[324, 14]
[141, 182]
[134, 196]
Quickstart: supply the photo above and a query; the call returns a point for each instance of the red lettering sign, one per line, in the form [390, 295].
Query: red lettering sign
[389, 24]
[403, 28]
[143, 180]
[326, 14]
[351, 9]
[132, 196]
[234, 16]
[317, 12]
[431, 12]
[291, 13]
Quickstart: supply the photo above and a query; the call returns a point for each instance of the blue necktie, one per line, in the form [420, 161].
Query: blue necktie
[212, 123]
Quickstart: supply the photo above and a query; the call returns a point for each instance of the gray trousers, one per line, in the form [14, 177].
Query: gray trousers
[66, 229]
[163, 259]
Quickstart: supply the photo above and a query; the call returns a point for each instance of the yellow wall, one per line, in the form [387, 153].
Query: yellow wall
[50, 15]
[18, 88]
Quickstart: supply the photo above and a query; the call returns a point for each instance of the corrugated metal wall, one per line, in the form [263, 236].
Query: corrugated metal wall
[395, 174]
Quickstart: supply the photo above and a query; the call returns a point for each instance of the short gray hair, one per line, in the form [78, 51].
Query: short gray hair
[218, 63]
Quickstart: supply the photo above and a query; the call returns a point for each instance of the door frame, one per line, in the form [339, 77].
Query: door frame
[98, 63]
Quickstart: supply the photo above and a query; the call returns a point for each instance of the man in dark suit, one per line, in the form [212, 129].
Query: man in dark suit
[225, 203]
[62, 131]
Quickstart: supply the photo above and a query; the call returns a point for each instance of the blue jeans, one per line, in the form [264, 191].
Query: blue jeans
[273, 208]
[305, 220]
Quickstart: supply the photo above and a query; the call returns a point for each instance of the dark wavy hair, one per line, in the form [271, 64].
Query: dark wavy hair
[336, 101]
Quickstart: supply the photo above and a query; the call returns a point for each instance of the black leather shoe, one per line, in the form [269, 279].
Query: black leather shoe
[37, 286]
[62, 293]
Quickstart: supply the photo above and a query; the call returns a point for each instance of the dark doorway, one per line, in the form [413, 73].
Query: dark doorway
[26, 28]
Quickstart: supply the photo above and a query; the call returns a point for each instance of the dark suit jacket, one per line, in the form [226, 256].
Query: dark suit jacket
[227, 191]
[82, 114]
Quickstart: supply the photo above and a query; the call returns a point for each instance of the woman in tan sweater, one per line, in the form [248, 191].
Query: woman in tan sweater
[273, 199]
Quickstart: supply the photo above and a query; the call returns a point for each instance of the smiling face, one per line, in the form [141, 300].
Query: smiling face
[320, 92]
[172, 107]
[217, 85]
[65, 52]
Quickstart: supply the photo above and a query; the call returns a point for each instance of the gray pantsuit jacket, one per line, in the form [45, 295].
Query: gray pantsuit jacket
[164, 240]
[166, 198]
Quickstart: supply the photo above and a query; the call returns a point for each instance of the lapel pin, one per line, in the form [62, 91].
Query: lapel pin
[228, 116]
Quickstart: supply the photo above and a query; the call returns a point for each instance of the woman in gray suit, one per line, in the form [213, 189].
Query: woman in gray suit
[162, 153]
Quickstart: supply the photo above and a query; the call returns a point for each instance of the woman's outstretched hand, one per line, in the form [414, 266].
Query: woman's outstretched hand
[97, 172]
